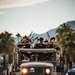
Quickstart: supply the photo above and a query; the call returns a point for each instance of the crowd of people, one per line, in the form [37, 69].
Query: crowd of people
[40, 43]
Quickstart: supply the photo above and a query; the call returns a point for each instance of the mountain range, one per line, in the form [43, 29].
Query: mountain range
[52, 32]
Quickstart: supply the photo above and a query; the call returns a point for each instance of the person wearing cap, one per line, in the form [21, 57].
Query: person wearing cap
[52, 41]
[46, 43]
[40, 44]
[41, 40]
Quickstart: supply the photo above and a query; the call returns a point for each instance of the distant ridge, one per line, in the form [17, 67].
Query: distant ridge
[51, 32]
[72, 24]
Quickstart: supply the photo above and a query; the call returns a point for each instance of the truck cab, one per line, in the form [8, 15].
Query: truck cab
[37, 61]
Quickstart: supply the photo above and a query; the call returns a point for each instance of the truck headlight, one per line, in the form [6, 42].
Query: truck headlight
[24, 70]
[47, 70]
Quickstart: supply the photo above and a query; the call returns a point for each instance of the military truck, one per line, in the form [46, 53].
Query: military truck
[37, 61]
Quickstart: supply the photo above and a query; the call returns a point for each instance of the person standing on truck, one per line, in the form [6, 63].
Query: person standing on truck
[46, 43]
[52, 42]
[40, 43]
[25, 42]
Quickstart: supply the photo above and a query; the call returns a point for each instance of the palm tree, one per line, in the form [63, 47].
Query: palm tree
[6, 43]
[65, 39]
[18, 35]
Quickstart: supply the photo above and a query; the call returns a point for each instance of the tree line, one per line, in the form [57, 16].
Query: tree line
[65, 39]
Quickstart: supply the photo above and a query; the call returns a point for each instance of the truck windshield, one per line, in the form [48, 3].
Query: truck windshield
[37, 56]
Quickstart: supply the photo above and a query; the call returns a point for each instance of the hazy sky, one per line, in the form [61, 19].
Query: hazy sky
[39, 16]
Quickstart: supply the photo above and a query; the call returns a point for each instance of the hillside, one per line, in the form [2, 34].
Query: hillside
[72, 24]
[51, 32]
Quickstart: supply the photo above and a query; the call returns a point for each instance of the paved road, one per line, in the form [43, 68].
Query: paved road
[16, 73]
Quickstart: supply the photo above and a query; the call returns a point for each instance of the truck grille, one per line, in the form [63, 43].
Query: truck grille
[38, 71]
